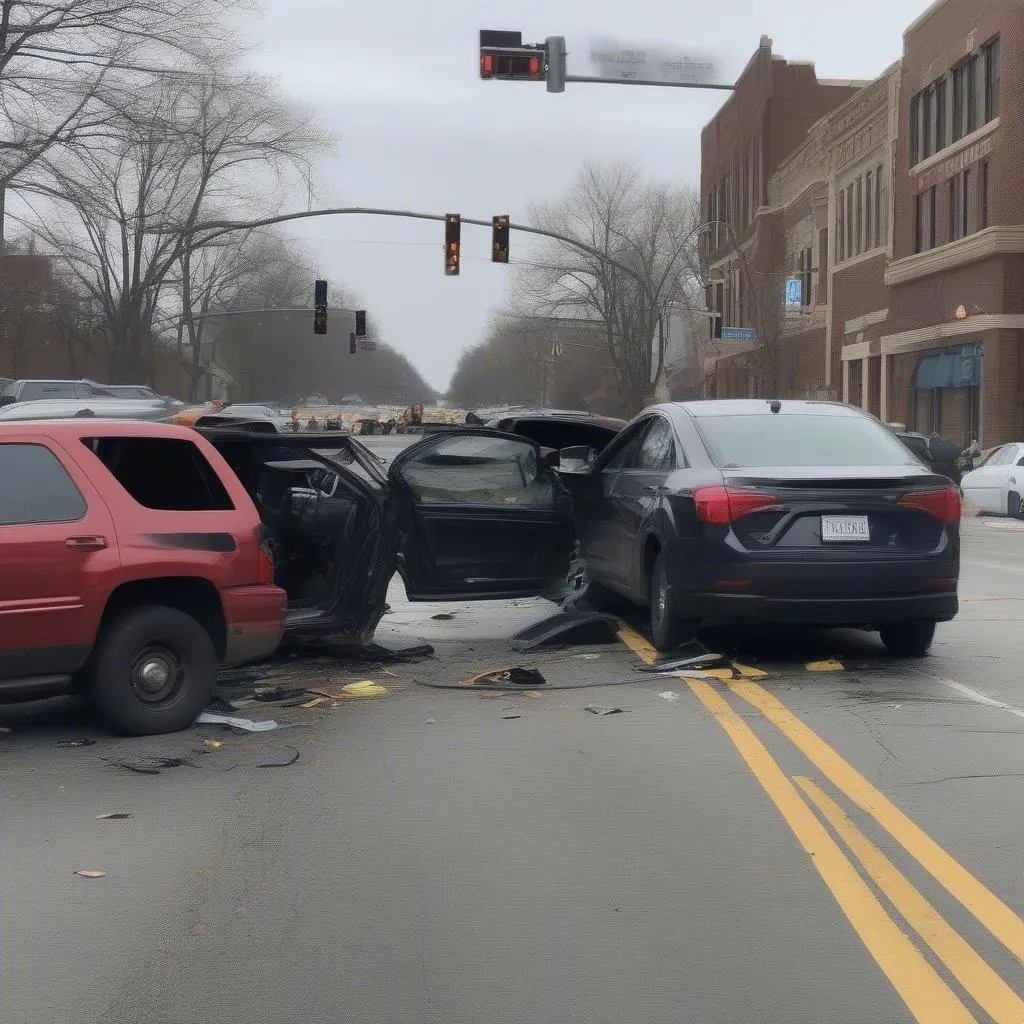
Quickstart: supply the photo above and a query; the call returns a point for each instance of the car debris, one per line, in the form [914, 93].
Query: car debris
[83, 742]
[278, 758]
[247, 724]
[146, 765]
[699, 661]
[513, 678]
[90, 873]
[669, 695]
[114, 816]
[567, 627]
[597, 709]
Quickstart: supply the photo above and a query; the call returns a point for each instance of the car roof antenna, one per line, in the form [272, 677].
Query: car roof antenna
[775, 405]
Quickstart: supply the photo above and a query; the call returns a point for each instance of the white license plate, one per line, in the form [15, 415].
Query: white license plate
[850, 529]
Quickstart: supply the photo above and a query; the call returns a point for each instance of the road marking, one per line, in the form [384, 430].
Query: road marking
[991, 992]
[926, 995]
[991, 911]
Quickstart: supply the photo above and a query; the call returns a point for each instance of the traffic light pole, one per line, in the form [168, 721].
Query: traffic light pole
[215, 229]
[636, 81]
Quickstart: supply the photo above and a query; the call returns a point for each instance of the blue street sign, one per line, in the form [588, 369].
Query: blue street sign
[737, 334]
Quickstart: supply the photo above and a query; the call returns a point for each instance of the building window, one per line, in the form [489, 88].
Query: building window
[915, 130]
[712, 218]
[881, 219]
[840, 228]
[822, 295]
[849, 221]
[757, 172]
[958, 192]
[983, 196]
[724, 201]
[966, 96]
[925, 220]
[806, 264]
[868, 224]
[859, 200]
[990, 54]
[939, 114]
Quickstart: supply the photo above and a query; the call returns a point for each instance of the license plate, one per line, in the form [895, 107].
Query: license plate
[849, 529]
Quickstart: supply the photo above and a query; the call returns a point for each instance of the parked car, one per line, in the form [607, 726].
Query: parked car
[139, 392]
[36, 390]
[996, 485]
[791, 512]
[134, 564]
[102, 408]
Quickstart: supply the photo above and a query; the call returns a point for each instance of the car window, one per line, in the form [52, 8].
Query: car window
[478, 471]
[163, 473]
[36, 488]
[625, 445]
[92, 391]
[800, 440]
[657, 451]
[33, 391]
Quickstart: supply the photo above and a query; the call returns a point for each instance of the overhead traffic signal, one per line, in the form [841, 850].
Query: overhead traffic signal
[518, 65]
[320, 308]
[452, 243]
[352, 343]
[360, 323]
[499, 238]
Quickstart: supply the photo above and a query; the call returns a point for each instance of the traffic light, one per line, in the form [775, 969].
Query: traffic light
[525, 65]
[503, 55]
[320, 308]
[452, 243]
[360, 323]
[499, 238]
[352, 343]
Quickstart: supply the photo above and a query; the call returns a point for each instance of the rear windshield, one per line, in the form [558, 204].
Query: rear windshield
[795, 439]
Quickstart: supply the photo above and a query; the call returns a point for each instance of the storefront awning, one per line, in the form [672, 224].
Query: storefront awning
[958, 367]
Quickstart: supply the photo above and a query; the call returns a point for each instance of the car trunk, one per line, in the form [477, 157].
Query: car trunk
[862, 513]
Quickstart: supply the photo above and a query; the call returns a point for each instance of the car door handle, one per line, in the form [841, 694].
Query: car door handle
[93, 543]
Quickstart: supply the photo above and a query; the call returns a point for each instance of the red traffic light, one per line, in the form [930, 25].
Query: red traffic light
[524, 64]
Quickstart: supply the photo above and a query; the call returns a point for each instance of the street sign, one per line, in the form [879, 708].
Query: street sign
[737, 334]
[614, 59]
[794, 293]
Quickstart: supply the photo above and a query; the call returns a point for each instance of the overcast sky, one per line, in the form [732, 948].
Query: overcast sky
[397, 80]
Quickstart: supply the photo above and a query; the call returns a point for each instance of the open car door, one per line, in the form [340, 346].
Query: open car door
[482, 517]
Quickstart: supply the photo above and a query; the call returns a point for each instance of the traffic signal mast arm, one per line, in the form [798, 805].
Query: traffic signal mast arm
[215, 229]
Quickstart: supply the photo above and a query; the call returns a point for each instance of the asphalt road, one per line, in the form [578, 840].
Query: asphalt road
[836, 839]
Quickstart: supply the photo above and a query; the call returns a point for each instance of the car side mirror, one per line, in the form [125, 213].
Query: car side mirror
[578, 459]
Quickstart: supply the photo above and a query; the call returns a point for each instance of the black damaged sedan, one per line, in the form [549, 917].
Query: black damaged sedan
[808, 513]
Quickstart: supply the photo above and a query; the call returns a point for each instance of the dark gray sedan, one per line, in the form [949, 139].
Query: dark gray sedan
[781, 511]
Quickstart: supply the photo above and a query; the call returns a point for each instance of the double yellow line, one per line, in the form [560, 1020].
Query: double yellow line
[928, 997]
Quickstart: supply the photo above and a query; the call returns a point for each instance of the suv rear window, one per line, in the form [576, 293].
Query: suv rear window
[801, 440]
[162, 473]
[36, 488]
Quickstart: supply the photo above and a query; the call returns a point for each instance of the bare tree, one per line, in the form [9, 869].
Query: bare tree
[66, 65]
[187, 146]
[257, 270]
[650, 227]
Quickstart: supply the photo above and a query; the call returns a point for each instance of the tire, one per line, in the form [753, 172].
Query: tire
[908, 639]
[1013, 505]
[668, 631]
[165, 638]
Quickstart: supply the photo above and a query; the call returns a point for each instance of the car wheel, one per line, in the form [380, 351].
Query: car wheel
[1013, 505]
[908, 639]
[668, 631]
[153, 672]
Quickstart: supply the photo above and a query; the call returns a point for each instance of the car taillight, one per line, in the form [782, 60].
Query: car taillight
[943, 504]
[265, 570]
[723, 505]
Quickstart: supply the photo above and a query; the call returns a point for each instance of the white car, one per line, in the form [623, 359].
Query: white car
[997, 485]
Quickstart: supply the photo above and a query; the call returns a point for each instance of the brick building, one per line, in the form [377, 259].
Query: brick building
[895, 227]
[951, 355]
[764, 121]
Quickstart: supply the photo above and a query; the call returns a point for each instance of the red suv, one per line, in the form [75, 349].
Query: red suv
[133, 565]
